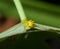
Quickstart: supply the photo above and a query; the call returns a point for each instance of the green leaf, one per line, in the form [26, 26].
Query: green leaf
[40, 12]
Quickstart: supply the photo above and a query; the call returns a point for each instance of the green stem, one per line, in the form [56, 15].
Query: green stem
[17, 29]
[46, 28]
[20, 9]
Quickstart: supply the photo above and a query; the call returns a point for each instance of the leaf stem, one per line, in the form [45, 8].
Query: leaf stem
[17, 29]
[46, 28]
[20, 9]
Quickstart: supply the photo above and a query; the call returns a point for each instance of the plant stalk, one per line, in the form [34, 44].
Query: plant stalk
[17, 29]
[20, 9]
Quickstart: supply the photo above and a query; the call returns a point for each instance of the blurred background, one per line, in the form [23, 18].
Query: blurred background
[45, 12]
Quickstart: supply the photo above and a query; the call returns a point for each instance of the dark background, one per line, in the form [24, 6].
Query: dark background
[35, 40]
[57, 2]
